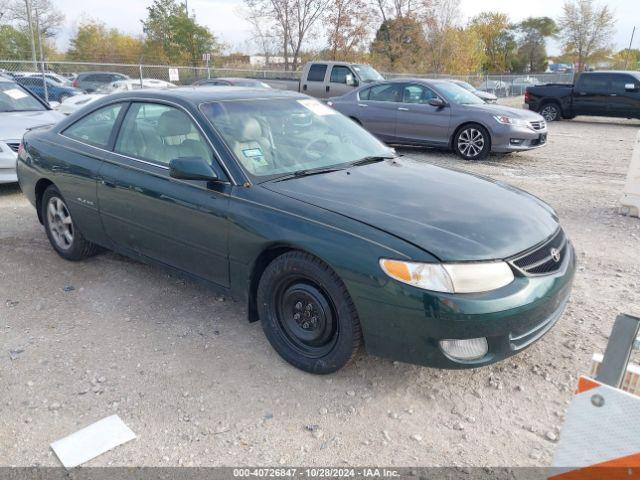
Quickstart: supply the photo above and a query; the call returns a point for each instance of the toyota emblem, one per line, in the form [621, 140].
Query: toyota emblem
[555, 254]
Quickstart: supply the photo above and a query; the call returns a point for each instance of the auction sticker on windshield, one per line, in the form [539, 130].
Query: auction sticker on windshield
[15, 93]
[317, 107]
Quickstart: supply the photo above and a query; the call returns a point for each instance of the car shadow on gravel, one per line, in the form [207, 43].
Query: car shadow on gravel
[9, 189]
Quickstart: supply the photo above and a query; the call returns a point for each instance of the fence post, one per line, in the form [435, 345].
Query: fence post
[140, 75]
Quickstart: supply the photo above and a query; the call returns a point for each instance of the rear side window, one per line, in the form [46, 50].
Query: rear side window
[339, 74]
[317, 73]
[95, 128]
[389, 92]
[160, 133]
[594, 83]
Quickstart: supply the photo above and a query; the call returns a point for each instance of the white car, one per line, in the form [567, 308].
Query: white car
[20, 111]
[76, 102]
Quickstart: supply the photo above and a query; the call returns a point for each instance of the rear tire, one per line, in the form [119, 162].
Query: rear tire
[551, 112]
[307, 314]
[63, 234]
[472, 142]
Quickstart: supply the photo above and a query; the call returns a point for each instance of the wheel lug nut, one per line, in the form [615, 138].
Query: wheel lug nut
[296, 317]
[299, 306]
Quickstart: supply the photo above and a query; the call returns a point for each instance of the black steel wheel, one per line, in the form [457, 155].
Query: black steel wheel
[307, 314]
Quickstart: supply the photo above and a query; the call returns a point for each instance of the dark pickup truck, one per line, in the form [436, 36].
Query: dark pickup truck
[606, 94]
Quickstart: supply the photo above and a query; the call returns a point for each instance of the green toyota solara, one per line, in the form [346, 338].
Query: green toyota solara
[331, 239]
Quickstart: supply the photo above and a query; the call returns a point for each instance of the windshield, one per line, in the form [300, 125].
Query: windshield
[279, 136]
[456, 94]
[14, 98]
[367, 73]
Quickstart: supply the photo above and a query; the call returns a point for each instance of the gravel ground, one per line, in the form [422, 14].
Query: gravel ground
[201, 386]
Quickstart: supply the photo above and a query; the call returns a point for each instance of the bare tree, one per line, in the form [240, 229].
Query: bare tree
[418, 9]
[50, 19]
[444, 16]
[348, 24]
[292, 21]
[585, 29]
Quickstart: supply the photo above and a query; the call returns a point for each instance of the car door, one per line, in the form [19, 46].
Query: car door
[314, 84]
[85, 145]
[338, 84]
[623, 101]
[591, 94]
[377, 109]
[419, 122]
[179, 223]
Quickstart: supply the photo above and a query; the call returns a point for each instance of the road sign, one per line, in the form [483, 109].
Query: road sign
[174, 75]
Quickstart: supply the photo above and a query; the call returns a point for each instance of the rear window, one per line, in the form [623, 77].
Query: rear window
[95, 128]
[317, 73]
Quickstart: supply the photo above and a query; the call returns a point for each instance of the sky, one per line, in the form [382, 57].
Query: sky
[224, 17]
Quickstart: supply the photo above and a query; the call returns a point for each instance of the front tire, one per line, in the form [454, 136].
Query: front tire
[472, 142]
[551, 112]
[63, 234]
[307, 314]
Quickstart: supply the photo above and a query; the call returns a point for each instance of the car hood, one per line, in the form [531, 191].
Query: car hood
[452, 215]
[14, 124]
[508, 111]
[485, 95]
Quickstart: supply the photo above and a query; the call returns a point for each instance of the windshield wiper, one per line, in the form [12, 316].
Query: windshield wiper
[371, 159]
[307, 173]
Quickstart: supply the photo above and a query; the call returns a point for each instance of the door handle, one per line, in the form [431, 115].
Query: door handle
[327, 88]
[363, 105]
[403, 109]
[582, 93]
[613, 94]
[107, 183]
[304, 87]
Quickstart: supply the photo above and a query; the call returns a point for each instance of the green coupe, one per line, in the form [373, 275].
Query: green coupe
[331, 239]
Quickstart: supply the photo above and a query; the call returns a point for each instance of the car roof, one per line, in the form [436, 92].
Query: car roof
[82, 74]
[633, 73]
[205, 94]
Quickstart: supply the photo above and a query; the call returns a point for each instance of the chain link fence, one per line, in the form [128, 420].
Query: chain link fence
[500, 85]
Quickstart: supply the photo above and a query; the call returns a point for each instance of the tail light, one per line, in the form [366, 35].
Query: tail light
[75, 83]
[527, 97]
[20, 149]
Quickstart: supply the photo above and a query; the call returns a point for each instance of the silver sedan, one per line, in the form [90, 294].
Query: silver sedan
[19, 111]
[440, 113]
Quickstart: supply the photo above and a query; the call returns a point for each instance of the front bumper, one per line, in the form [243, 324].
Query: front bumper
[8, 160]
[406, 324]
[506, 139]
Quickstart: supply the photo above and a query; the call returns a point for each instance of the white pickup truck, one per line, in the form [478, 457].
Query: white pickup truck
[328, 79]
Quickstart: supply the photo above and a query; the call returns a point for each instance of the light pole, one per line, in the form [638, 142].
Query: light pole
[27, 4]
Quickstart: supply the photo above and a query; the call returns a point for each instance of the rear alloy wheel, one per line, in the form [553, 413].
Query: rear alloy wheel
[61, 230]
[307, 314]
[550, 112]
[472, 142]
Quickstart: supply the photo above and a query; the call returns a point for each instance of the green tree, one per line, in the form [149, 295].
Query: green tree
[400, 45]
[14, 43]
[175, 36]
[495, 33]
[532, 51]
[94, 42]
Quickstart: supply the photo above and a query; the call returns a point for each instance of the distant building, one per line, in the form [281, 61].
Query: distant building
[264, 61]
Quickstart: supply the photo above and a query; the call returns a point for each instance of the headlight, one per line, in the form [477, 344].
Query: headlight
[505, 120]
[451, 277]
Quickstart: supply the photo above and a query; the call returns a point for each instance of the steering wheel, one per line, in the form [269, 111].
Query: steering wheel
[315, 148]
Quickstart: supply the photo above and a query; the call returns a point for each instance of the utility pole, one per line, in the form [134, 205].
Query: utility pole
[44, 78]
[27, 4]
[626, 59]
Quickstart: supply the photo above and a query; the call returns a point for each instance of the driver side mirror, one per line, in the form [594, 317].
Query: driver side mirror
[351, 81]
[191, 168]
[630, 87]
[437, 102]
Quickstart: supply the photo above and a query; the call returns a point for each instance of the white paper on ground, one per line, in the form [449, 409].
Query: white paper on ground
[91, 441]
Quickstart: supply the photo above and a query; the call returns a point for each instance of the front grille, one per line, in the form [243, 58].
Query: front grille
[538, 125]
[13, 146]
[541, 260]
